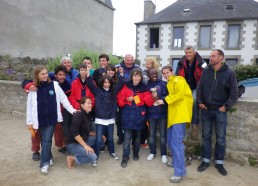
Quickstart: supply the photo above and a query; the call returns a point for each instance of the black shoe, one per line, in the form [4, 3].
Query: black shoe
[63, 150]
[135, 157]
[36, 156]
[102, 149]
[221, 169]
[119, 141]
[124, 162]
[203, 167]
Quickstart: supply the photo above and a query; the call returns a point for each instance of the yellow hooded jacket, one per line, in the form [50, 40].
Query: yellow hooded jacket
[179, 100]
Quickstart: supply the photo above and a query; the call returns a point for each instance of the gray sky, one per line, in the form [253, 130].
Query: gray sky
[126, 14]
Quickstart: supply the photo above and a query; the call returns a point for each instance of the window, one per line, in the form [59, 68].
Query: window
[233, 36]
[229, 7]
[231, 62]
[174, 64]
[205, 37]
[178, 37]
[186, 9]
[154, 38]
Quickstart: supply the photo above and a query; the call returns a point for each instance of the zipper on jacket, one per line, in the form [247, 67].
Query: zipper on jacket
[214, 80]
[46, 105]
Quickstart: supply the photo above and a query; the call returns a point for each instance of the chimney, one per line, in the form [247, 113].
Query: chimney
[149, 9]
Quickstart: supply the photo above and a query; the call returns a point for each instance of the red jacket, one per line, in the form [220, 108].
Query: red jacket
[145, 97]
[182, 67]
[76, 94]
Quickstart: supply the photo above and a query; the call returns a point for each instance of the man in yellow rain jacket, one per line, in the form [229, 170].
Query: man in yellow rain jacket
[180, 106]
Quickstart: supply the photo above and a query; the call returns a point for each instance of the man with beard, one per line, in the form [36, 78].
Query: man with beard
[217, 92]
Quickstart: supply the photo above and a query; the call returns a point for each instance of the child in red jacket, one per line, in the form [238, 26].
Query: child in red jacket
[133, 99]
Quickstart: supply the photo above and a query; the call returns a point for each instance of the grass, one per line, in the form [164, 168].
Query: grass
[78, 56]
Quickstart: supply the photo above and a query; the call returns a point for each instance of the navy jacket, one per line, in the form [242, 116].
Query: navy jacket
[46, 100]
[105, 101]
[160, 111]
[134, 115]
[217, 88]
[127, 71]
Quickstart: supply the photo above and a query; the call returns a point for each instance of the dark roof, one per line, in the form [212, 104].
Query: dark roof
[205, 10]
[107, 3]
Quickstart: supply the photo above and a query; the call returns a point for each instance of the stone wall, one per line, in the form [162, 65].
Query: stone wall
[242, 129]
[18, 69]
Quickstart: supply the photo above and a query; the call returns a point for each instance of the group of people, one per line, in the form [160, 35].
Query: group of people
[88, 103]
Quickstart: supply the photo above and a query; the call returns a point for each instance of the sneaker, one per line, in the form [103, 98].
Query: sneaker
[150, 157]
[119, 141]
[203, 167]
[102, 149]
[44, 169]
[114, 156]
[221, 169]
[51, 162]
[63, 150]
[94, 164]
[145, 146]
[175, 179]
[135, 157]
[164, 159]
[124, 162]
[36, 156]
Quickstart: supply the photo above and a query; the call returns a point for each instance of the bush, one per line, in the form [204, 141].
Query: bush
[244, 72]
[78, 56]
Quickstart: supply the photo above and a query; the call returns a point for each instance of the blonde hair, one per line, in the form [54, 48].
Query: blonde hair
[37, 69]
[154, 62]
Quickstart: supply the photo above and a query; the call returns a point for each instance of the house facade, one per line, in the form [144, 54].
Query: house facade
[205, 24]
[42, 29]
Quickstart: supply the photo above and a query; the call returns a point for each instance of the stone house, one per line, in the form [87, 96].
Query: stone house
[42, 29]
[230, 25]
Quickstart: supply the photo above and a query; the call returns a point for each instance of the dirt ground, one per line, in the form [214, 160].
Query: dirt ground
[17, 167]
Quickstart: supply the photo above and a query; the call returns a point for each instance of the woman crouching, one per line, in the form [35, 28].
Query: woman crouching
[80, 139]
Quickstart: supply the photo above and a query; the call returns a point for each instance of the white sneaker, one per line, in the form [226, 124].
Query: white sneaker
[44, 169]
[150, 157]
[114, 156]
[94, 164]
[175, 179]
[164, 159]
[51, 162]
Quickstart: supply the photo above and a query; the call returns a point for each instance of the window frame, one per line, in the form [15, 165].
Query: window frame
[210, 35]
[173, 38]
[228, 36]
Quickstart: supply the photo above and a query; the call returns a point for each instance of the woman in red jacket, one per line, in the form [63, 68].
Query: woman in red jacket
[133, 99]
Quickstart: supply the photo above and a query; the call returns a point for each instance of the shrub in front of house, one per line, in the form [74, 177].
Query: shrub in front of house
[244, 72]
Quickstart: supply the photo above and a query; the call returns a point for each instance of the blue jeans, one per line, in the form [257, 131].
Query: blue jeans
[81, 156]
[131, 135]
[46, 135]
[110, 140]
[195, 116]
[176, 134]
[162, 123]
[120, 132]
[219, 119]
